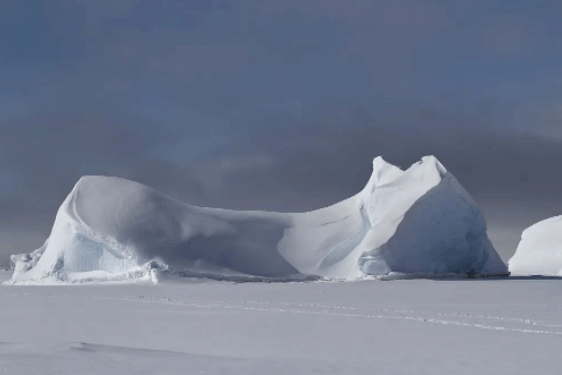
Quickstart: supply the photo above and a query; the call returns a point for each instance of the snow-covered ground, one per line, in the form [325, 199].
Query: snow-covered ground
[483, 326]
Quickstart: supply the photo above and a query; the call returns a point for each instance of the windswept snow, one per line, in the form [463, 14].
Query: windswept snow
[417, 221]
[87, 358]
[540, 249]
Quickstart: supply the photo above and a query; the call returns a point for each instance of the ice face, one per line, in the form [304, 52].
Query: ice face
[85, 254]
[374, 265]
[440, 233]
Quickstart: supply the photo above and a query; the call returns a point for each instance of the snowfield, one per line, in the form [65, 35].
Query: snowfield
[414, 222]
[190, 326]
[540, 249]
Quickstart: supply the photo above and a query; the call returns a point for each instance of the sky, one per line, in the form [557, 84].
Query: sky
[278, 105]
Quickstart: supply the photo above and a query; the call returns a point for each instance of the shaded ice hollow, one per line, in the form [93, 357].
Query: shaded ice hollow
[540, 249]
[414, 222]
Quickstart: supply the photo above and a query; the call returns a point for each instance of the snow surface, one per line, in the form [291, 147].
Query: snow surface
[540, 249]
[414, 222]
[483, 326]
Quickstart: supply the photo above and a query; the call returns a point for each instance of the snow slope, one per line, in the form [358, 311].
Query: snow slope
[540, 249]
[418, 221]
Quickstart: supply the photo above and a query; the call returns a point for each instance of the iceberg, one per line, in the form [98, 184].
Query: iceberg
[540, 249]
[418, 221]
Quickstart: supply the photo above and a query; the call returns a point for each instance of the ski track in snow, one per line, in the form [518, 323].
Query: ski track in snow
[476, 321]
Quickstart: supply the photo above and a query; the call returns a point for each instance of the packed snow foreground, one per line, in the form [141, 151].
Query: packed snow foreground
[540, 249]
[416, 222]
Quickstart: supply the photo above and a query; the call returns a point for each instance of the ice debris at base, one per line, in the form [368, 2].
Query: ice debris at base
[540, 249]
[419, 222]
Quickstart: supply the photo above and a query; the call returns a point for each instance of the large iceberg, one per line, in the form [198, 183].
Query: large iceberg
[414, 222]
[540, 249]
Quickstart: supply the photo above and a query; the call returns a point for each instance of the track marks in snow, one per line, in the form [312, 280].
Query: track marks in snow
[462, 319]
[422, 317]
[441, 314]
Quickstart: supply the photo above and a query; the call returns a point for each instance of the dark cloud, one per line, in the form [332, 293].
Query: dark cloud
[511, 174]
[493, 162]
[277, 105]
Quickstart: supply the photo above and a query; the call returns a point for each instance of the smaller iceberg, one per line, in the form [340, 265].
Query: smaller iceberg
[540, 249]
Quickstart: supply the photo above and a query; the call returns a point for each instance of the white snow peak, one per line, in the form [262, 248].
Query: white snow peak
[540, 249]
[417, 221]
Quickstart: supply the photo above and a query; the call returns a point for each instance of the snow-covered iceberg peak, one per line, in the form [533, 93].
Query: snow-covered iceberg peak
[422, 221]
[385, 173]
[540, 249]
[418, 221]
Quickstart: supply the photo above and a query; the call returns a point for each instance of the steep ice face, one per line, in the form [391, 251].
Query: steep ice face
[423, 221]
[442, 232]
[540, 249]
[417, 221]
